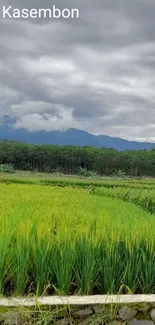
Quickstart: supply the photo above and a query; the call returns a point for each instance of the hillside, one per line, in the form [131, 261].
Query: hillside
[72, 137]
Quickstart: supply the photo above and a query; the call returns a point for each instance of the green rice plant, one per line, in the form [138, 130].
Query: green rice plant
[111, 266]
[144, 198]
[63, 266]
[43, 260]
[20, 254]
[41, 179]
[132, 265]
[5, 258]
[86, 266]
[66, 241]
[147, 270]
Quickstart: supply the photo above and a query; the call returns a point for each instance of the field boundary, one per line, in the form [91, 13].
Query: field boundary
[76, 300]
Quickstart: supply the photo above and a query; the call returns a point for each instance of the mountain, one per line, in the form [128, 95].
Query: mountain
[71, 137]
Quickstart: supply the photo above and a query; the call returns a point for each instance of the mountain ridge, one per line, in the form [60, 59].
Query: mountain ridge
[72, 137]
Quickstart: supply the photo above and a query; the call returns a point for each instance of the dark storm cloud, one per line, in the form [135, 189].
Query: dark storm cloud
[95, 73]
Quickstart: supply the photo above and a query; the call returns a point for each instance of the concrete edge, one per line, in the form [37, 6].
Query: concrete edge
[76, 300]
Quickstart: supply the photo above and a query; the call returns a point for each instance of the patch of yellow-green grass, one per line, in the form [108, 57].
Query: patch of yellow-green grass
[67, 241]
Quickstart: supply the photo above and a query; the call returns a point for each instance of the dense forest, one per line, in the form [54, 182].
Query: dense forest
[70, 159]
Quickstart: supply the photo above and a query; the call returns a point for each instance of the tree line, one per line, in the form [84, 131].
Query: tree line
[72, 159]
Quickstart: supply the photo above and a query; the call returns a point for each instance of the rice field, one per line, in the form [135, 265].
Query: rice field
[143, 197]
[64, 240]
[24, 178]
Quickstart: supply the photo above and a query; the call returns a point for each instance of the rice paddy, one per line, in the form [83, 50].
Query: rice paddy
[64, 240]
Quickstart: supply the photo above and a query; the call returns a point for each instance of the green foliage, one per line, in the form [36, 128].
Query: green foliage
[7, 168]
[140, 196]
[86, 264]
[85, 161]
[119, 173]
[86, 173]
[67, 241]
[54, 180]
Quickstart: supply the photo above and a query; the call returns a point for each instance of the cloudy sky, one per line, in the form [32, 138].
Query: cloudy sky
[95, 73]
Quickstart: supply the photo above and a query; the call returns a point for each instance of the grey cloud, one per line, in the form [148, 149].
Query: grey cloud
[95, 73]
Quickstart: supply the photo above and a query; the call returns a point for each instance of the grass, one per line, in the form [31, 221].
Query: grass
[74, 181]
[46, 315]
[141, 197]
[67, 241]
